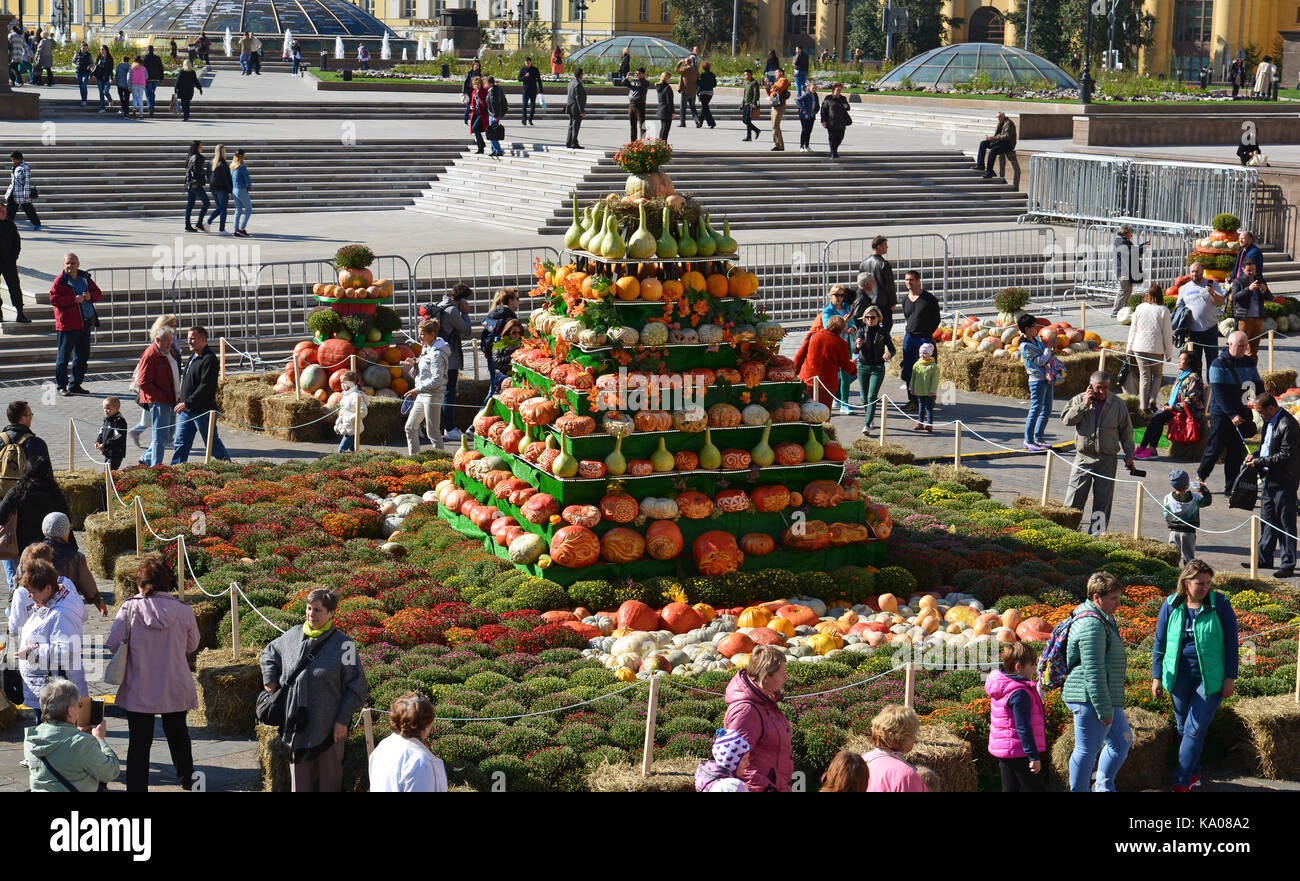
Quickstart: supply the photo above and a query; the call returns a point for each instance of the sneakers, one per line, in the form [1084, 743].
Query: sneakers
[844, 410]
[77, 389]
[452, 435]
[930, 429]
[1034, 448]
[1144, 453]
[902, 387]
[866, 431]
[1180, 789]
[1194, 783]
[918, 427]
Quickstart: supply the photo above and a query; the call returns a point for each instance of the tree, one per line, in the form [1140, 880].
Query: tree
[1057, 30]
[926, 24]
[865, 32]
[707, 23]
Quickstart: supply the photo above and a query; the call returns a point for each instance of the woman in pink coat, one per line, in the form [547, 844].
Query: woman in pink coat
[821, 358]
[752, 711]
[161, 631]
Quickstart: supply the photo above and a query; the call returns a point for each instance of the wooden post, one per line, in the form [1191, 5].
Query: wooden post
[370, 729]
[352, 364]
[1137, 515]
[234, 622]
[1047, 477]
[72, 446]
[222, 356]
[180, 567]
[108, 490]
[648, 753]
[297, 383]
[139, 527]
[956, 446]
[1270, 350]
[212, 434]
[909, 684]
[1083, 317]
[884, 416]
[356, 425]
[1254, 546]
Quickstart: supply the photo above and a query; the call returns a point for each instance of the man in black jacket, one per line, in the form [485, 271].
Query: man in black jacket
[11, 244]
[886, 287]
[153, 68]
[198, 396]
[575, 107]
[1279, 462]
[637, 86]
[921, 314]
[530, 79]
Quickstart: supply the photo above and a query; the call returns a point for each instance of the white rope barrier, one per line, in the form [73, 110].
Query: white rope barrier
[234, 585]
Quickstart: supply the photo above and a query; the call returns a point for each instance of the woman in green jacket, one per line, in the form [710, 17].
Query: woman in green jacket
[1094, 688]
[1194, 658]
[56, 749]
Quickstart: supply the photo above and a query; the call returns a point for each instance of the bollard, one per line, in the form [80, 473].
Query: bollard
[648, 752]
[956, 446]
[370, 729]
[297, 383]
[909, 684]
[356, 429]
[1270, 350]
[1047, 477]
[234, 622]
[884, 417]
[1137, 515]
[139, 527]
[1254, 546]
[222, 346]
[352, 363]
[72, 447]
[180, 568]
[1083, 317]
[212, 433]
[108, 490]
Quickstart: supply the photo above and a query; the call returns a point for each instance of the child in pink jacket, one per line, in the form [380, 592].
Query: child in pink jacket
[1017, 734]
[894, 731]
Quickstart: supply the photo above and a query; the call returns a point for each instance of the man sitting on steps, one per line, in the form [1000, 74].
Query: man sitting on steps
[1001, 141]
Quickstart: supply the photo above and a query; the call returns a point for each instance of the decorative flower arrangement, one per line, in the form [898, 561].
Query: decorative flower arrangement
[643, 157]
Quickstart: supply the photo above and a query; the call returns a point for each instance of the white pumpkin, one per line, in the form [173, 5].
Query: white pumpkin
[569, 331]
[754, 414]
[623, 336]
[771, 331]
[814, 412]
[709, 334]
[1125, 316]
[654, 334]
[591, 339]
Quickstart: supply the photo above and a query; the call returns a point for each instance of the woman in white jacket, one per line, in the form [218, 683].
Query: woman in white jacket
[430, 386]
[1151, 342]
[50, 639]
[401, 762]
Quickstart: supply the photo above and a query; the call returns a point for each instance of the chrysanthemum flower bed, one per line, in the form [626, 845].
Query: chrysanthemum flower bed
[463, 627]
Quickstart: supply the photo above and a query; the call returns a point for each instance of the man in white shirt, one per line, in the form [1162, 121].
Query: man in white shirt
[1202, 298]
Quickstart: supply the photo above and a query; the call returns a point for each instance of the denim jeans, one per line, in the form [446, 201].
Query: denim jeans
[185, 109]
[164, 424]
[83, 80]
[243, 63]
[186, 427]
[151, 93]
[925, 410]
[529, 107]
[800, 82]
[190, 196]
[74, 346]
[105, 94]
[911, 352]
[1040, 410]
[221, 209]
[346, 444]
[295, 66]
[243, 208]
[1193, 710]
[747, 117]
[1092, 736]
[869, 381]
[11, 571]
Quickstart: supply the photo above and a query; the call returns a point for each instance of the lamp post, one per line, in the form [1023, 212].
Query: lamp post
[1085, 78]
[582, 22]
[735, 24]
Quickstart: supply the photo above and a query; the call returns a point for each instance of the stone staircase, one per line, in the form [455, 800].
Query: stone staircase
[755, 192]
[87, 179]
[348, 106]
[519, 190]
[964, 127]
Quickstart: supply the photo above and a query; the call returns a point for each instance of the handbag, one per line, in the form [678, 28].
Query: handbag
[12, 681]
[115, 672]
[270, 707]
[9, 549]
[1245, 490]
[1125, 370]
[496, 131]
[1183, 429]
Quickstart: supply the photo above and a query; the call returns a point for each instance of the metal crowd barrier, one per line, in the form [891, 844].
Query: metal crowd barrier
[982, 263]
[1086, 262]
[1073, 186]
[792, 280]
[927, 253]
[134, 296]
[1188, 193]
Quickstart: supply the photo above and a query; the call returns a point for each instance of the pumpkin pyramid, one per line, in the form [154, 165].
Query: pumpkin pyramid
[650, 426]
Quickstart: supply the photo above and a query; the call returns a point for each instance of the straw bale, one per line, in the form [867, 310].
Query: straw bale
[1147, 547]
[470, 394]
[1003, 376]
[1053, 510]
[228, 691]
[964, 368]
[1135, 414]
[273, 757]
[104, 539]
[84, 490]
[894, 454]
[1272, 728]
[384, 422]
[1147, 764]
[666, 775]
[1277, 381]
[240, 397]
[967, 477]
[286, 417]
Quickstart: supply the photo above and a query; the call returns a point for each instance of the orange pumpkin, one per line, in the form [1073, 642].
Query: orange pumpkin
[799, 616]
[573, 425]
[735, 460]
[640, 467]
[716, 285]
[767, 636]
[757, 543]
[716, 553]
[752, 372]
[694, 505]
[621, 545]
[679, 618]
[663, 540]
[619, 507]
[796, 499]
[673, 290]
[539, 411]
[685, 460]
[651, 289]
[723, 416]
[636, 615]
[787, 412]
[590, 469]
[823, 493]
[732, 501]
[848, 533]
[810, 535]
[789, 453]
[581, 515]
[652, 420]
[539, 508]
[574, 547]
[833, 452]
[694, 281]
[735, 644]
[770, 499]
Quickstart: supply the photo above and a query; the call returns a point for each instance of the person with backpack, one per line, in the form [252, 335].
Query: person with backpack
[504, 306]
[454, 328]
[73, 296]
[754, 712]
[1194, 658]
[1093, 687]
[33, 497]
[1037, 360]
[1017, 728]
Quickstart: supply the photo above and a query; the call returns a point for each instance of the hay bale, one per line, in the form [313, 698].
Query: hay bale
[939, 748]
[273, 757]
[1135, 414]
[106, 538]
[1146, 766]
[240, 397]
[294, 419]
[967, 477]
[8, 713]
[666, 775]
[227, 692]
[124, 583]
[1058, 513]
[208, 616]
[894, 454]
[1005, 377]
[1147, 547]
[1277, 381]
[84, 490]
[384, 422]
[1272, 727]
[964, 368]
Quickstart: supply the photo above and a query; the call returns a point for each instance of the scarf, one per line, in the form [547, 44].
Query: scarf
[316, 634]
[1173, 395]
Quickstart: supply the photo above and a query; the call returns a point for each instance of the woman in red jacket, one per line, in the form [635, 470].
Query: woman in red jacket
[752, 709]
[822, 357]
[159, 377]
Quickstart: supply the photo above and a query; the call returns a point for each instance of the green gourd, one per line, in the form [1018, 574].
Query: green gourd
[597, 244]
[707, 247]
[710, 456]
[616, 462]
[527, 440]
[575, 230]
[726, 244]
[613, 247]
[565, 465]
[666, 247]
[641, 246]
[686, 246]
[812, 450]
[762, 454]
[585, 241]
[661, 459]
